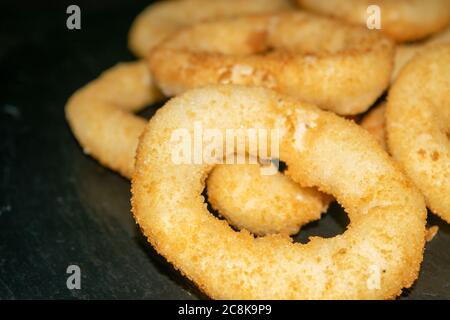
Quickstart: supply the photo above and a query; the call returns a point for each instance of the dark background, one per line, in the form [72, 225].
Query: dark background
[59, 207]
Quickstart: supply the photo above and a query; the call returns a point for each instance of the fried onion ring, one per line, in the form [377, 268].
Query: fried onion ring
[378, 255]
[161, 19]
[418, 125]
[407, 51]
[101, 114]
[374, 121]
[339, 67]
[403, 20]
[101, 117]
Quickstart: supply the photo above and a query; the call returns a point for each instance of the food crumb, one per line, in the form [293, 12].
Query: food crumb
[431, 232]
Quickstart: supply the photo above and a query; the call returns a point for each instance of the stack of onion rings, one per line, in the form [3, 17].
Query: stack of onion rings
[101, 114]
[101, 117]
[387, 230]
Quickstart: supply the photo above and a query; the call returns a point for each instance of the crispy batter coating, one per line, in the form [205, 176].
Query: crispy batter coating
[339, 67]
[403, 20]
[374, 123]
[101, 117]
[101, 114]
[161, 19]
[418, 125]
[406, 51]
[378, 255]
[261, 203]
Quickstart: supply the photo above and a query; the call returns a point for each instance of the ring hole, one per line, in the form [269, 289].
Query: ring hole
[334, 222]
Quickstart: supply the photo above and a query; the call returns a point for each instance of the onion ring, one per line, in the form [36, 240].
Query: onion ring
[387, 229]
[407, 51]
[374, 121]
[101, 118]
[161, 19]
[101, 114]
[403, 20]
[339, 67]
[417, 124]
[431, 233]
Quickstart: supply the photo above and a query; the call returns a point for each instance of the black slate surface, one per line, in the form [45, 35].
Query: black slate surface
[59, 207]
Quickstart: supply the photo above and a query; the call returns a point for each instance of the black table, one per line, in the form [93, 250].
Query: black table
[59, 207]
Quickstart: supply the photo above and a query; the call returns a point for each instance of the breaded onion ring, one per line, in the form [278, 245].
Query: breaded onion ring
[374, 123]
[161, 19]
[339, 67]
[101, 117]
[378, 255]
[403, 20]
[405, 52]
[263, 204]
[418, 125]
[101, 114]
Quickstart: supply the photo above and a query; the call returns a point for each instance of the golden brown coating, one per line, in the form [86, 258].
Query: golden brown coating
[101, 118]
[161, 19]
[403, 20]
[378, 255]
[374, 123]
[263, 204]
[418, 123]
[339, 67]
[406, 51]
[101, 114]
